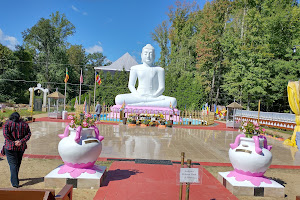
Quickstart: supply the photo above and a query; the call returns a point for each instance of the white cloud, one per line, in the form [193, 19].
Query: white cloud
[8, 41]
[94, 49]
[77, 10]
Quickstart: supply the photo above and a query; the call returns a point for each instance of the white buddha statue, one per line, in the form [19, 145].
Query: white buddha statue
[151, 84]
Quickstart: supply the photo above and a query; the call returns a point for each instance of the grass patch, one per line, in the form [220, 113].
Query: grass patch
[23, 113]
[290, 132]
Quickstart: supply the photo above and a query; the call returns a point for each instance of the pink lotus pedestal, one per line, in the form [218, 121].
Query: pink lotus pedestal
[250, 158]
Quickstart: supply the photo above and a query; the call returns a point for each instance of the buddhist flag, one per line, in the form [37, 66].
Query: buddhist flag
[171, 106]
[98, 79]
[81, 78]
[67, 75]
[123, 106]
[217, 110]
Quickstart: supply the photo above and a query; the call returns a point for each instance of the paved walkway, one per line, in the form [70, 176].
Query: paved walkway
[206, 145]
[122, 141]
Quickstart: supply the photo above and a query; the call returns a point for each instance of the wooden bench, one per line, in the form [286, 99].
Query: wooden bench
[36, 194]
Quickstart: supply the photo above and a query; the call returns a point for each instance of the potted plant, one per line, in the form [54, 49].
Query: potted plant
[129, 120]
[151, 123]
[250, 154]
[80, 149]
[251, 129]
[162, 122]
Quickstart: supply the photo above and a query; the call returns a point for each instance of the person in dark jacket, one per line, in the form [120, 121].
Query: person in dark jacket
[16, 133]
[98, 110]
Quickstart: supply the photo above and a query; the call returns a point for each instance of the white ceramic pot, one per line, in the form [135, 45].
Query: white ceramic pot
[248, 158]
[80, 154]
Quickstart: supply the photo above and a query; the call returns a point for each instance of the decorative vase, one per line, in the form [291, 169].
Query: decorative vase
[80, 149]
[250, 156]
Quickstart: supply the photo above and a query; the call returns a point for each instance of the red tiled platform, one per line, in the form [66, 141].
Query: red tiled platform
[127, 180]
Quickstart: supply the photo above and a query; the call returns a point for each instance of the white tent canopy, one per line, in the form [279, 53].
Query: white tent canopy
[125, 62]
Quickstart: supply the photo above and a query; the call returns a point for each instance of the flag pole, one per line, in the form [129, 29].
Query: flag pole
[79, 103]
[95, 90]
[65, 91]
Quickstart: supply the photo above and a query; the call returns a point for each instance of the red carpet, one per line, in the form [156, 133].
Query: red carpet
[127, 180]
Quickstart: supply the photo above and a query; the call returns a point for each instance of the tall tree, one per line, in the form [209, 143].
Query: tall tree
[161, 36]
[209, 48]
[48, 39]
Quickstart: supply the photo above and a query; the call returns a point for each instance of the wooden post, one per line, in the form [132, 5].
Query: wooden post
[187, 194]
[182, 165]
[89, 109]
[32, 102]
[258, 112]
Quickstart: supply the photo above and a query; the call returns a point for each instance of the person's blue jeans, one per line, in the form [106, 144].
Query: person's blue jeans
[14, 159]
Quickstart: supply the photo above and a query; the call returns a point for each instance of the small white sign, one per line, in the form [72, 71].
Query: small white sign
[189, 175]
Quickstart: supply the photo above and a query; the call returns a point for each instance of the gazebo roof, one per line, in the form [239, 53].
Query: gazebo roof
[125, 62]
[56, 95]
[235, 105]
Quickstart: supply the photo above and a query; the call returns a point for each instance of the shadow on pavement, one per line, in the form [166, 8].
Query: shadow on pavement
[115, 175]
[32, 181]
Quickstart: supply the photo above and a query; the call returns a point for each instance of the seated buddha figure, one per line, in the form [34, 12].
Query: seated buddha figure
[151, 84]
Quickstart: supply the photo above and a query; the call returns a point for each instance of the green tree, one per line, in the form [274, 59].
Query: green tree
[48, 40]
[160, 35]
[13, 72]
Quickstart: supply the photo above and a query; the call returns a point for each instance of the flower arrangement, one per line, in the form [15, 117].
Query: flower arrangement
[146, 122]
[251, 128]
[163, 122]
[85, 120]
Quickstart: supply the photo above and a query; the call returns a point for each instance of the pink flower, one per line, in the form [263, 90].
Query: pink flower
[244, 131]
[255, 123]
[263, 130]
[70, 117]
[84, 124]
[257, 128]
[88, 115]
[245, 124]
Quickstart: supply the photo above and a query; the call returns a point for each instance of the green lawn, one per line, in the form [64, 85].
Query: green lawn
[23, 113]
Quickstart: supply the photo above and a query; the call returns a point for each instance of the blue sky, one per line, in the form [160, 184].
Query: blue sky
[112, 27]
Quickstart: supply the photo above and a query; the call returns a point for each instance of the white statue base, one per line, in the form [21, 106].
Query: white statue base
[79, 178]
[246, 188]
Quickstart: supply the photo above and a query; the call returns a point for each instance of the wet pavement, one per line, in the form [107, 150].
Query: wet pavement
[122, 141]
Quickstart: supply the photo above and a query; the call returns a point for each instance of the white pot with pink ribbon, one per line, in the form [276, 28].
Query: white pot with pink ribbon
[81, 148]
[250, 158]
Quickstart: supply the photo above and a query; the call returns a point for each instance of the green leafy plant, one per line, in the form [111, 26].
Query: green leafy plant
[163, 122]
[146, 122]
[251, 129]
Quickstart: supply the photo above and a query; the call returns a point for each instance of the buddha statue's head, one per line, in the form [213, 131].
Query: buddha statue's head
[148, 54]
